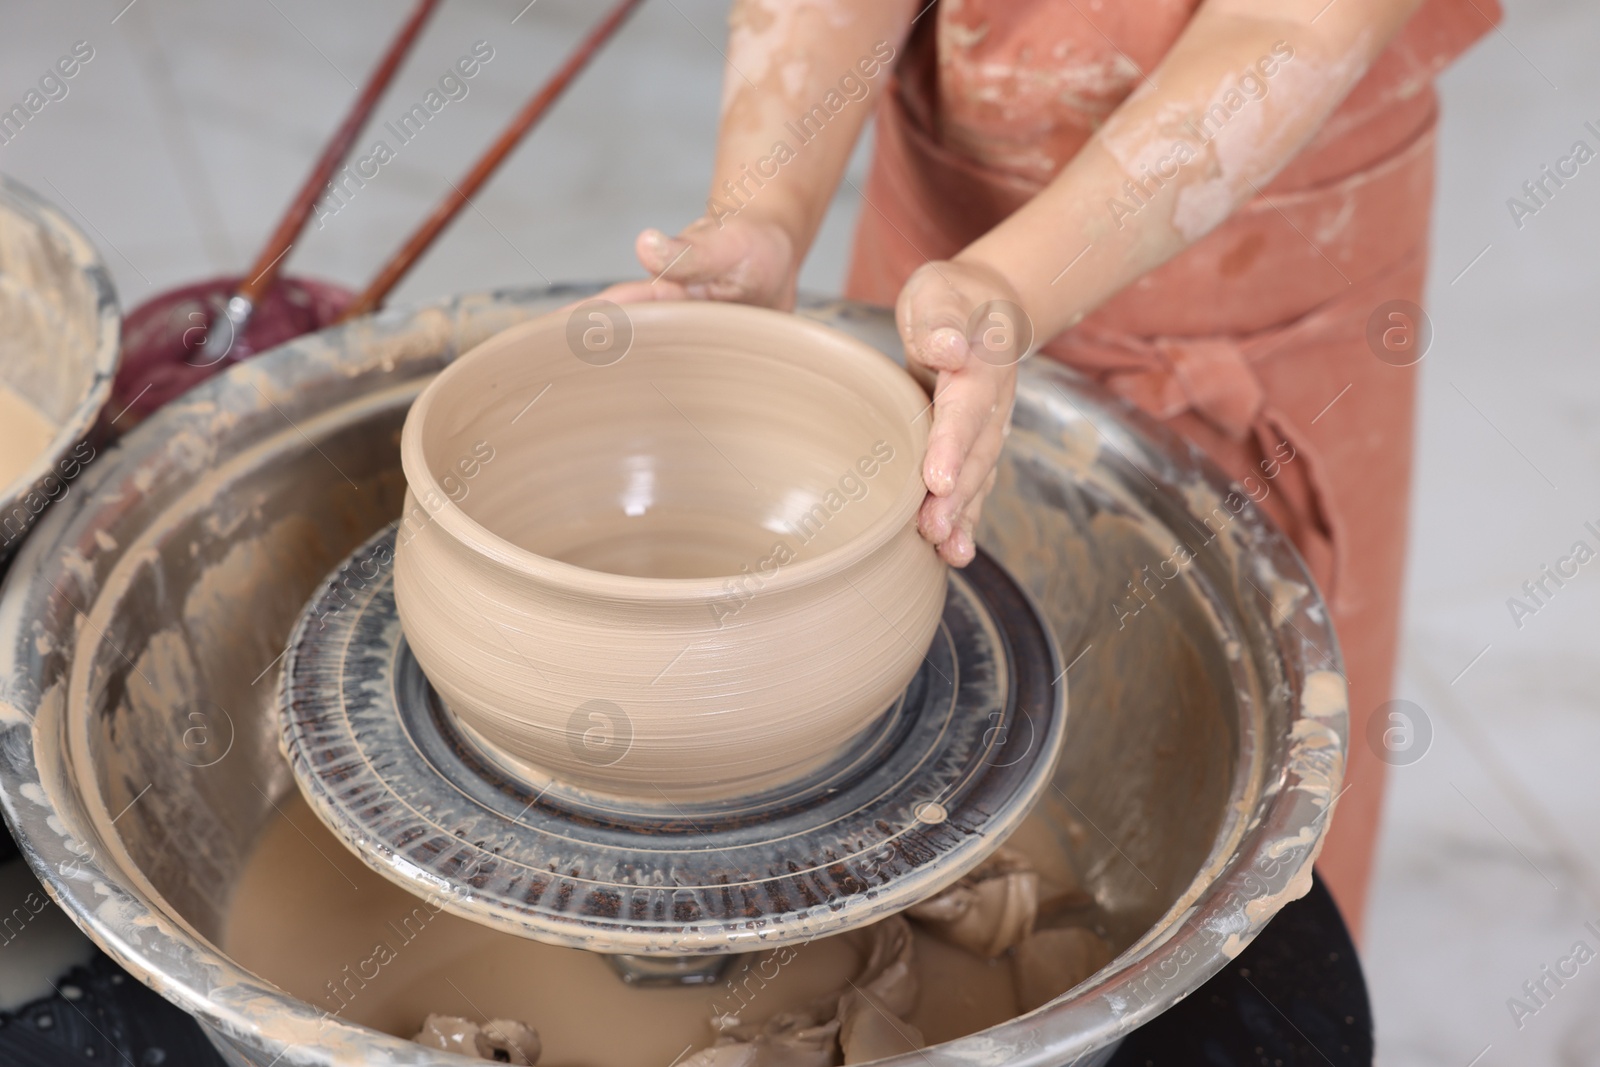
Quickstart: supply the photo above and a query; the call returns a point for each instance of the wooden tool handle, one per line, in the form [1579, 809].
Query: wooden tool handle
[263, 272]
[461, 192]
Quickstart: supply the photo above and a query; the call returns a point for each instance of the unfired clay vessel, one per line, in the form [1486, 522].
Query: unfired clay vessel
[687, 571]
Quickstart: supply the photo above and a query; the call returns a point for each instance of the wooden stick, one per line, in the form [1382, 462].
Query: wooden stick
[263, 273]
[461, 192]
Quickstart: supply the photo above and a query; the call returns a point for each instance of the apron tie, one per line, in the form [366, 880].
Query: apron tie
[1215, 379]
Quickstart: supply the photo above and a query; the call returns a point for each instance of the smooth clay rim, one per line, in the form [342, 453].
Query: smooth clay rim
[895, 384]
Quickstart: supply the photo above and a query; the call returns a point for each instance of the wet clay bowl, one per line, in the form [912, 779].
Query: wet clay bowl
[667, 552]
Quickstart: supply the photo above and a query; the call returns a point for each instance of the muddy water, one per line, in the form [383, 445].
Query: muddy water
[311, 918]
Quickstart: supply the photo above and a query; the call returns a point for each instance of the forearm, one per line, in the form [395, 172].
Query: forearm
[800, 81]
[1241, 91]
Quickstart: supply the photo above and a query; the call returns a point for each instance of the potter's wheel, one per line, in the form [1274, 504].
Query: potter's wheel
[907, 808]
[1206, 731]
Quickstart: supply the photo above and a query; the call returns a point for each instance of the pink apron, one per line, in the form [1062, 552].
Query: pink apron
[1254, 336]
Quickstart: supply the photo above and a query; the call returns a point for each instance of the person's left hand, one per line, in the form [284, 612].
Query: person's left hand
[974, 367]
[744, 259]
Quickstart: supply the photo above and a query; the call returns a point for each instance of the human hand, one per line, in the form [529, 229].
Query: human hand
[973, 359]
[743, 260]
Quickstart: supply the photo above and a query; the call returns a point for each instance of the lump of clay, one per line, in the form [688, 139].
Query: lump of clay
[499, 1040]
[1040, 842]
[869, 1031]
[805, 1037]
[872, 1021]
[890, 973]
[989, 910]
[864, 1022]
[1051, 962]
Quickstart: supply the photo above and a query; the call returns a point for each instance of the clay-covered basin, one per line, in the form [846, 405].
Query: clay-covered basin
[142, 624]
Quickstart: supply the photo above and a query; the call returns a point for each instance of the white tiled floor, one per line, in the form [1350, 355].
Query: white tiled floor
[187, 133]
[182, 138]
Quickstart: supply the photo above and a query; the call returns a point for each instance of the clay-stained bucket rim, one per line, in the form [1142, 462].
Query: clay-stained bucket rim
[1227, 904]
[78, 426]
[894, 386]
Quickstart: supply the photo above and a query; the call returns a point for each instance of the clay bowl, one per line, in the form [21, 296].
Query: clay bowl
[681, 567]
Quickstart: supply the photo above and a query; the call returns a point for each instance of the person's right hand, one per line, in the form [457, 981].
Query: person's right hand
[742, 260]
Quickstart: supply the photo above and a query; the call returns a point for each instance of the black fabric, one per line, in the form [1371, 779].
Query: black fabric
[102, 1017]
[1294, 998]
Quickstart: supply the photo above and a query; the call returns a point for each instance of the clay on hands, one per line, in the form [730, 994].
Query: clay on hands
[746, 261]
[964, 328]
